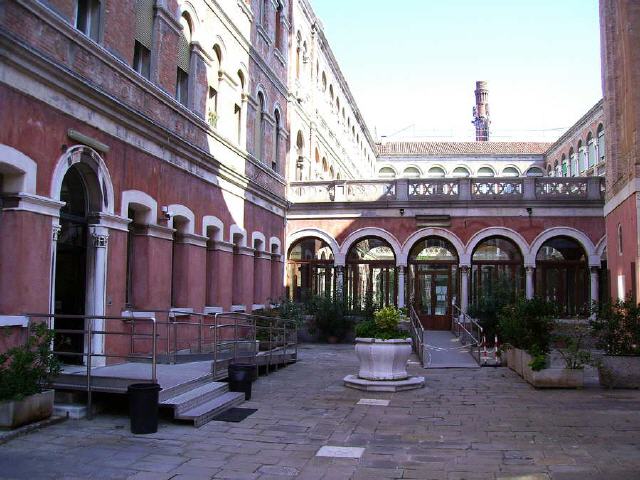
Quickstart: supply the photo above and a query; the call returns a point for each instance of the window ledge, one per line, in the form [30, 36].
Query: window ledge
[278, 54]
[14, 321]
[263, 33]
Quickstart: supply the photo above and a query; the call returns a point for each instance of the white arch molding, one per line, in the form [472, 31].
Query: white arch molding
[361, 233]
[580, 237]
[236, 230]
[81, 154]
[183, 212]
[217, 226]
[601, 246]
[403, 259]
[317, 233]
[259, 236]
[138, 197]
[275, 242]
[501, 232]
[22, 171]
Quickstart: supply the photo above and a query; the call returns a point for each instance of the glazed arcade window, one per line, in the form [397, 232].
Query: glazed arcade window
[88, 18]
[142, 60]
[182, 87]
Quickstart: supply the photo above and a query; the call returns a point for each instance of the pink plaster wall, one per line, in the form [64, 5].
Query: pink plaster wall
[625, 264]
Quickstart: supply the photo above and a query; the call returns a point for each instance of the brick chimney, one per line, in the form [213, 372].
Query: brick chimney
[481, 112]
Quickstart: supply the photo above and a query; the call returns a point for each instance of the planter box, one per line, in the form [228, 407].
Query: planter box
[383, 359]
[511, 358]
[15, 413]
[619, 371]
[518, 361]
[551, 377]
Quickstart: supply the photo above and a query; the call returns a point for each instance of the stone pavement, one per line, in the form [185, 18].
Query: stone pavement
[466, 424]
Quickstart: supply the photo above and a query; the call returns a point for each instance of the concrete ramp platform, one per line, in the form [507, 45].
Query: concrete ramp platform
[442, 349]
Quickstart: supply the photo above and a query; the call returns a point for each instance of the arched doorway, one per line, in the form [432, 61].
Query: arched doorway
[71, 266]
[562, 275]
[433, 281]
[370, 274]
[497, 268]
[310, 269]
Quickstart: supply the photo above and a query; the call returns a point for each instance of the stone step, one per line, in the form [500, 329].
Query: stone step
[193, 398]
[176, 390]
[204, 413]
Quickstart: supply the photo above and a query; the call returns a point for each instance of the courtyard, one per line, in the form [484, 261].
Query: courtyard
[479, 423]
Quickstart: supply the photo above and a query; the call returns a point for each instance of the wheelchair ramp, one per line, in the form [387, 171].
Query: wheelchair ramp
[442, 349]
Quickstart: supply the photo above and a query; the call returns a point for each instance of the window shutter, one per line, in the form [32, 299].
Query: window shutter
[144, 22]
[184, 54]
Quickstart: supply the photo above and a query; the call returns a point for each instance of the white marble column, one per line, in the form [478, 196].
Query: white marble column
[401, 286]
[464, 288]
[97, 283]
[595, 287]
[530, 292]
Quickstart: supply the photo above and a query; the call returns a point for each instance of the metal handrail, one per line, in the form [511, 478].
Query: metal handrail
[250, 322]
[417, 332]
[88, 333]
[462, 324]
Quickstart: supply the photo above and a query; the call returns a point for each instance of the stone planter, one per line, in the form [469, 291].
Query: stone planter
[383, 359]
[518, 361]
[511, 358]
[551, 377]
[14, 413]
[621, 371]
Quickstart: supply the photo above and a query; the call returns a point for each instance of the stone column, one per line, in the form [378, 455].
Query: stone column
[220, 275]
[243, 278]
[401, 286]
[464, 288]
[339, 280]
[277, 276]
[189, 271]
[530, 291]
[97, 289]
[595, 287]
[261, 278]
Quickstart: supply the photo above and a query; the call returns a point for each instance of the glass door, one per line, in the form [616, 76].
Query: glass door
[433, 298]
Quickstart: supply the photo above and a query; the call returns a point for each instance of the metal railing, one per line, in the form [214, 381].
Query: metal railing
[417, 332]
[89, 332]
[279, 335]
[468, 330]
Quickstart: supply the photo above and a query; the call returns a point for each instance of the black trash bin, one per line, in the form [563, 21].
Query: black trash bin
[240, 378]
[143, 407]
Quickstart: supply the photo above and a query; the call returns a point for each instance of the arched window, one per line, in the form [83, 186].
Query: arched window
[212, 98]
[567, 167]
[433, 281]
[591, 150]
[497, 268]
[486, 172]
[386, 172]
[436, 172]
[276, 141]
[310, 269]
[88, 19]
[264, 13]
[237, 109]
[619, 240]
[184, 60]
[324, 82]
[411, 172]
[510, 172]
[535, 172]
[460, 172]
[549, 171]
[278, 26]
[601, 147]
[331, 97]
[143, 37]
[259, 128]
[299, 156]
[582, 157]
[562, 275]
[370, 272]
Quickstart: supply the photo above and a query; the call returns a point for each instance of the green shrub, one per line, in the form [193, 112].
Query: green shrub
[331, 317]
[617, 327]
[527, 324]
[488, 305]
[384, 325]
[26, 369]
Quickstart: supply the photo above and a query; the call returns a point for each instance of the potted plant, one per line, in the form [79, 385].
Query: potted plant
[525, 326]
[382, 348]
[24, 375]
[331, 319]
[617, 330]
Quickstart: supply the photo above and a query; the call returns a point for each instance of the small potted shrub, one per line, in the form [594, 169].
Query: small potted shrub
[382, 348]
[617, 330]
[331, 319]
[25, 372]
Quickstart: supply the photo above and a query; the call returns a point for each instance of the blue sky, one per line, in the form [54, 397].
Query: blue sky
[414, 63]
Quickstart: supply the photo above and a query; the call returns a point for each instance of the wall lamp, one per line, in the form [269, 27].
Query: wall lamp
[402, 212]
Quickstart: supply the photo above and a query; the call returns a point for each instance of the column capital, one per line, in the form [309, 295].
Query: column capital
[594, 270]
[464, 269]
[530, 269]
[55, 232]
[100, 240]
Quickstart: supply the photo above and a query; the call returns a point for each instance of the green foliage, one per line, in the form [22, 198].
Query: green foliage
[490, 302]
[384, 325]
[617, 327]
[571, 347]
[527, 324]
[26, 369]
[331, 317]
[538, 359]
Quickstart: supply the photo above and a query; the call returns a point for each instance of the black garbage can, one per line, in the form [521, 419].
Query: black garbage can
[143, 407]
[240, 378]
